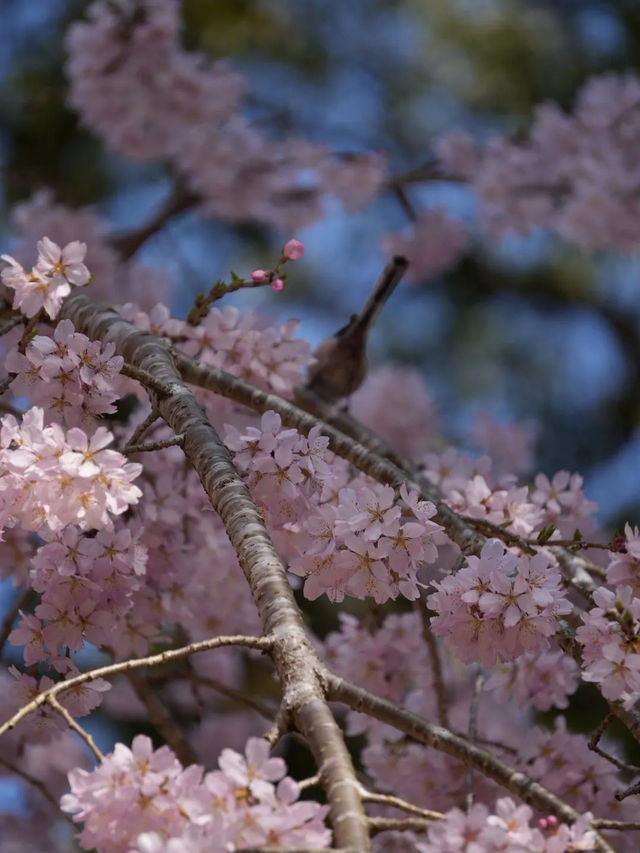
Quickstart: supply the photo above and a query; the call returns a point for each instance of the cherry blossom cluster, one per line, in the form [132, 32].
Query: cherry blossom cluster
[143, 801]
[391, 662]
[70, 377]
[498, 606]
[510, 828]
[86, 584]
[565, 506]
[345, 535]
[284, 469]
[367, 542]
[50, 280]
[45, 725]
[187, 113]
[481, 489]
[577, 174]
[611, 639]
[52, 478]
[237, 342]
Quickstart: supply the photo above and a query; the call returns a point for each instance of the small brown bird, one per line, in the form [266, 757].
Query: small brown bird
[341, 360]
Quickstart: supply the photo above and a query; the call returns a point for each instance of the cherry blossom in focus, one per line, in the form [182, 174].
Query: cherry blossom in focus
[144, 800]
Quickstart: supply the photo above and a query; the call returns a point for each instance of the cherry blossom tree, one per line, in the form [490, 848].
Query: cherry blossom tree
[177, 492]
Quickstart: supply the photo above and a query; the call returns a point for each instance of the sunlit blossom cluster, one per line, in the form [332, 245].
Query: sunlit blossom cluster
[50, 280]
[49, 477]
[114, 278]
[480, 487]
[142, 800]
[86, 584]
[498, 605]
[240, 343]
[72, 378]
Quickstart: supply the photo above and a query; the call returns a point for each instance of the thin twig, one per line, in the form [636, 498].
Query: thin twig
[29, 330]
[405, 203]
[263, 643]
[620, 825]
[309, 782]
[628, 792]
[595, 740]
[75, 726]
[281, 726]
[436, 664]
[174, 441]
[398, 803]
[144, 377]
[140, 430]
[204, 301]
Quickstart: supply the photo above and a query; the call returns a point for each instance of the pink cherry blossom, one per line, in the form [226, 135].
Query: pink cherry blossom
[67, 262]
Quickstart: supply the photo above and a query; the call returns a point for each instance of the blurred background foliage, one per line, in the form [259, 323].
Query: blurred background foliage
[529, 328]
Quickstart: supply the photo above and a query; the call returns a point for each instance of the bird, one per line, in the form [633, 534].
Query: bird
[340, 364]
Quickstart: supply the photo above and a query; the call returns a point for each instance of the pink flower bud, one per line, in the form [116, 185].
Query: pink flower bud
[277, 284]
[548, 824]
[293, 250]
[259, 275]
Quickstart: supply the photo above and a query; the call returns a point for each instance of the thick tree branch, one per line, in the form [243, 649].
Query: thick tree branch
[293, 655]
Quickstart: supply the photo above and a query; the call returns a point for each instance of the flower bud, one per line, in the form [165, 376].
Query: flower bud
[292, 250]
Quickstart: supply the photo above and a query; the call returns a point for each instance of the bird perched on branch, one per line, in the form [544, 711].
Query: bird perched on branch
[341, 361]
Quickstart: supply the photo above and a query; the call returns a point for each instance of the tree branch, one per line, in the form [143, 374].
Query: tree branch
[442, 739]
[294, 658]
[263, 643]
